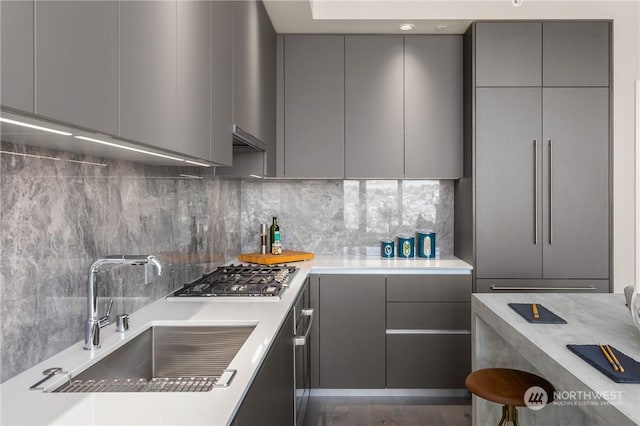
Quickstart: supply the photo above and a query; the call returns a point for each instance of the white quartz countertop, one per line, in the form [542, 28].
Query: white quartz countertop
[19, 406]
[591, 319]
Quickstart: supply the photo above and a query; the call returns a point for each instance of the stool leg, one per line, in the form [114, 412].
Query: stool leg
[509, 414]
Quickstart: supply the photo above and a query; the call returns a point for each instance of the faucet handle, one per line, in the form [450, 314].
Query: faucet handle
[104, 321]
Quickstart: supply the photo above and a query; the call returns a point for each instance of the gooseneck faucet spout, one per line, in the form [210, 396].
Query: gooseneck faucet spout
[94, 323]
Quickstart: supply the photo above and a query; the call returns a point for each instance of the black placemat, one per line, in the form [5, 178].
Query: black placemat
[546, 316]
[594, 356]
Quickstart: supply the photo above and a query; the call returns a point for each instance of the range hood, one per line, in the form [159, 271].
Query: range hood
[244, 141]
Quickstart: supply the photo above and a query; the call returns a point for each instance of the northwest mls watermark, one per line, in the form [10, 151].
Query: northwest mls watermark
[537, 398]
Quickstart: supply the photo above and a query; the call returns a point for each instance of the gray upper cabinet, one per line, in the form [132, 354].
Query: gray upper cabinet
[374, 106]
[221, 82]
[254, 77]
[575, 53]
[314, 106]
[508, 191]
[193, 78]
[352, 331]
[16, 54]
[77, 63]
[576, 181]
[148, 72]
[433, 107]
[508, 54]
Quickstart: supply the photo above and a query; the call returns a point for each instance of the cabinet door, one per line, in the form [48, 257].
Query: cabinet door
[148, 72]
[428, 361]
[575, 53]
[77, 63]
[508, 193]
[266, 93]
[576, 143]
[16, 54]
[221, 83]
[508, 54]
[245, 66]
[193, 112]
[314, 106]
[352, 331]
[433, 107]
[374, 107]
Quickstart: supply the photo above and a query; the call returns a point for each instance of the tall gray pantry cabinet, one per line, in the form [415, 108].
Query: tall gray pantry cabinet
[541, 164]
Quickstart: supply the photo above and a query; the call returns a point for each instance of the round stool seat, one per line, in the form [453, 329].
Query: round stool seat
[505, 386]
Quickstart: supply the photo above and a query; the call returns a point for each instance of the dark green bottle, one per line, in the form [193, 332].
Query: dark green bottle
[274, 240]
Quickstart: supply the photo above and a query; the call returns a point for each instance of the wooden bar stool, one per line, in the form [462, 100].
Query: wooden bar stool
[508, 387]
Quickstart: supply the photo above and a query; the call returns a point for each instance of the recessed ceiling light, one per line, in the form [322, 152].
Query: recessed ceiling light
[440, 28]
[517, 3]
[406, 27]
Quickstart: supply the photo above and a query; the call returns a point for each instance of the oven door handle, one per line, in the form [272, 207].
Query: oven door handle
[302, 340]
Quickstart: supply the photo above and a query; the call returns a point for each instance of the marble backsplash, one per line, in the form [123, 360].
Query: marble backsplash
[346, 216]
[58, 216]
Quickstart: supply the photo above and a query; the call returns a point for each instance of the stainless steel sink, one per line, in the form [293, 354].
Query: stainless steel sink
[165, 359]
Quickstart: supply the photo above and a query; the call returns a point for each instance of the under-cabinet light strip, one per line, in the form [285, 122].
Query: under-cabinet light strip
[115, 145]
[33, 126]
[190, 176]
[196, 163]
[30, 155]
[88, 162]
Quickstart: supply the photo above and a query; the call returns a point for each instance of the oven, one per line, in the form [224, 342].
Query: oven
[302, 357]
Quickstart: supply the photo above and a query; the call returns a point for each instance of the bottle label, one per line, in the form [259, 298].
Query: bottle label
[276, 236]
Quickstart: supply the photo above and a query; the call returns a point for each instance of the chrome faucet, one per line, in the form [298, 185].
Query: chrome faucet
[94, 323]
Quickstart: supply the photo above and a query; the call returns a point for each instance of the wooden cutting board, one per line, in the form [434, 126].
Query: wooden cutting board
[271, 259]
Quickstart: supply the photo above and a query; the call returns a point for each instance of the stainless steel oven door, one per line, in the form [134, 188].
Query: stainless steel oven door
[304, 319]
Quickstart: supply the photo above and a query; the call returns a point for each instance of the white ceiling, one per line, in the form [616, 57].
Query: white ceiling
[384, 16]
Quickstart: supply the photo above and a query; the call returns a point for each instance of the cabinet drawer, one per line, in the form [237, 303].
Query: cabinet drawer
[550, 286]
[429, 288]
[437, 361]
[429, 315]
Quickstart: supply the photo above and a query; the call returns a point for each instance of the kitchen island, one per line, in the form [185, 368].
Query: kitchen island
[216, 407]
[502, 338]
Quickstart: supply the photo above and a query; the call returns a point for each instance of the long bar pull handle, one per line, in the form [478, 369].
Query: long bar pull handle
[535, 192]
[506, 288]
[550, 192]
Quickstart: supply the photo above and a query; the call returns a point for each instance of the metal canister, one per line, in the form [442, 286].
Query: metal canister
[426, 244]
[387, 248]
[406, 245]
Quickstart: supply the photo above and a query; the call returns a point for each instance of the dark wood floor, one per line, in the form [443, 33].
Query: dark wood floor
[410, 411]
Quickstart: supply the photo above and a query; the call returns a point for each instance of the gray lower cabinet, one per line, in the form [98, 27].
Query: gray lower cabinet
[425, 312]
[16, 54]
[271, 397]
[374, 106]
[76, 63]
[193, 78]
[433, 107]
[351, 331]
[148, 45]
[313, 106]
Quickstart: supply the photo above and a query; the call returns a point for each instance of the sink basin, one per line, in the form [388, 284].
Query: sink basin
[165, 359]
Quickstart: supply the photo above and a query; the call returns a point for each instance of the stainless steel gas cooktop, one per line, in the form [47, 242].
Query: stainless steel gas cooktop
[251, 281]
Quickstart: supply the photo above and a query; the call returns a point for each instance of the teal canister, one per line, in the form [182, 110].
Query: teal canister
[406, 246]
[387, 248]
[426, 244]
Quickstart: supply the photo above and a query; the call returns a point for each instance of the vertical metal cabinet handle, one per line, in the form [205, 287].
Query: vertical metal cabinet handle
[535, 192]
[302, 340]
[550, 192]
